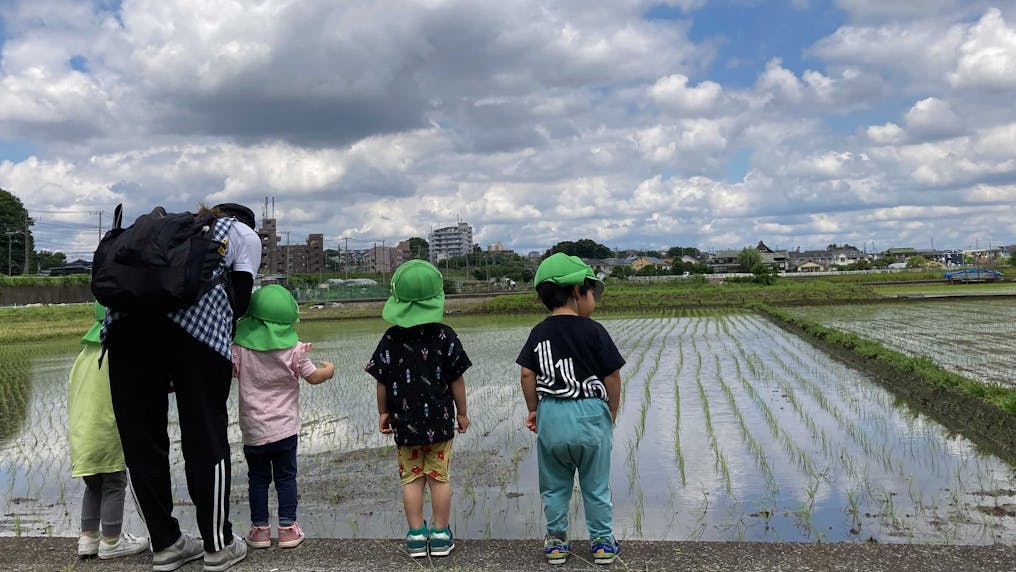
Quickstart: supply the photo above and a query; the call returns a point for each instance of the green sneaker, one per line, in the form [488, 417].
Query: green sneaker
[555, 549]
[441, 541]
[605, 550]
[416, 541]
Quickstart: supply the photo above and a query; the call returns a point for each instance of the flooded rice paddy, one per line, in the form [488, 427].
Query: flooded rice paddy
[974, 338]
[730, 429]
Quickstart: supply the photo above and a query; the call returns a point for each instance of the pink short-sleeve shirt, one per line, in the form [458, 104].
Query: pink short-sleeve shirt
[269, 390]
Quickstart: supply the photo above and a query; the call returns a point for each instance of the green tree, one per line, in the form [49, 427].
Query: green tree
[419, 248]
[583, 248]
[917, 262]
[13, 219]
[621, 272]
[679, 251]
[764, 274]
[749, 258]
[44, 259]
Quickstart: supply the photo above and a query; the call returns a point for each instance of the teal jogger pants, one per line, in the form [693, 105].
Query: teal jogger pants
[575, 434]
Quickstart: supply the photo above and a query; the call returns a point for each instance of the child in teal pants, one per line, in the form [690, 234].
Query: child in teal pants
[571, 381]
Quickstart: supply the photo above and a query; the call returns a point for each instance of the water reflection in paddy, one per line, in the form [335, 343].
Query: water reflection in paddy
[730, 428]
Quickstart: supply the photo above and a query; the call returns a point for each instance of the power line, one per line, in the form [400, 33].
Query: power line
[61, 212]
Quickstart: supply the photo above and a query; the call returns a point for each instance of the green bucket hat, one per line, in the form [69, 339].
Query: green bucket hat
[92, 335]
[565, 270]
[417, 295]
[268, 324]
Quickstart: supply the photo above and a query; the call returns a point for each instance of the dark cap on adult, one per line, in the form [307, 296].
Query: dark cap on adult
[239, 212]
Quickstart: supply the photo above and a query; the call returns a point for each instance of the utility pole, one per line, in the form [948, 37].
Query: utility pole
[9, 242]
[24, 269]
[345, 261]
[100, 221]
[288, 251]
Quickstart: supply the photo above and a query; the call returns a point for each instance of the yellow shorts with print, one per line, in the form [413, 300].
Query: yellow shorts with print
[416, 461]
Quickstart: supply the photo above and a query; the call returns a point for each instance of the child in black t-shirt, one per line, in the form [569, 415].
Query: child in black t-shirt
[421, 399]
[571, 381]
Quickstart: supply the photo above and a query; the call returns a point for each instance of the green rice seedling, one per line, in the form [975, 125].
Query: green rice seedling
[677, 414]
[746, 435]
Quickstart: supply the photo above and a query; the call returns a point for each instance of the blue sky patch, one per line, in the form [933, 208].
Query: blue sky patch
[15, 151]
[79, 63]
[750, 33]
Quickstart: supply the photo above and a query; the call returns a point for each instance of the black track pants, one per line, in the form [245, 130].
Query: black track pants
[145, 355]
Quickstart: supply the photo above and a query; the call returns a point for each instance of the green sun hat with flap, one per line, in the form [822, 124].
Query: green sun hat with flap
[92, 335]
[268, 324]
[565, 270]
[417, 295]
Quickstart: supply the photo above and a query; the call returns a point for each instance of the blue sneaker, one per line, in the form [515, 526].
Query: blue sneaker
[416, 541]
[441, 541]
[555, 550]
[605, 550]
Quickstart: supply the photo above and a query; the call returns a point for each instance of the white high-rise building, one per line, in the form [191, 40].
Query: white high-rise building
[450, 241]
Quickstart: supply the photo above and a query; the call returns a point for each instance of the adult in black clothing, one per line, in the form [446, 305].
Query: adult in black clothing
[187, 352]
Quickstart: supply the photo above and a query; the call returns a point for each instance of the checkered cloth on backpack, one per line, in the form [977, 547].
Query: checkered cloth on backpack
[210, 320]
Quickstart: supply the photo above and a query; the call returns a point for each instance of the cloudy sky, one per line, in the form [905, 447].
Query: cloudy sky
[708, 123]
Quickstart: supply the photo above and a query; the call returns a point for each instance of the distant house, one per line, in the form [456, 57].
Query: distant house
[810, 267]
[602, 267]
[689, 259]
[825, 258]
[645, 261]
[779, 260]
[901, 254]
[725, 261]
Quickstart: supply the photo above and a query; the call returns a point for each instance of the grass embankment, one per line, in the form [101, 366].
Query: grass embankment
[69, 280]
[985, 412]
[626, 297]
[945, 289]
[35, 323]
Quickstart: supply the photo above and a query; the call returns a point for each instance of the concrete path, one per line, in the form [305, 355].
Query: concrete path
[57, 554]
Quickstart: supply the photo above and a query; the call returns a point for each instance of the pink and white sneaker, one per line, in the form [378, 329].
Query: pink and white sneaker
[290, 536]
[259, 536]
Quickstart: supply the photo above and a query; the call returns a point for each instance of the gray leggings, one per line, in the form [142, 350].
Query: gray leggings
[103, 502]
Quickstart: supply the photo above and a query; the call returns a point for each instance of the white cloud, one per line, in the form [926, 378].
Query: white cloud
[987, 55]
[885, 134]
[536, 122]
[672, 93]
[932, 117]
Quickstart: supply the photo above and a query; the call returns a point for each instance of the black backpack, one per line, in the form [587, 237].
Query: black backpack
[162, 262]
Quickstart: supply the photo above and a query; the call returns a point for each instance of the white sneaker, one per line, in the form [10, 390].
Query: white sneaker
[126, 545]
[185, 549]
[228, 556]
[88, 546]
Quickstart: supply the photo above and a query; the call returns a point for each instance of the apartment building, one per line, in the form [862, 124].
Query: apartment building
[450, 241]
[276, 258]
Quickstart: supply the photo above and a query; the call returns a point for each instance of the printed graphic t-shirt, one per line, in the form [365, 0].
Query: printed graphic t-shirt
[571, 356]
[416, 366]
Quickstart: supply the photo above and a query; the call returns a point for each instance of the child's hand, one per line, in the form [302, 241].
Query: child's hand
[463, 421]
[384, 424]
[531, 421]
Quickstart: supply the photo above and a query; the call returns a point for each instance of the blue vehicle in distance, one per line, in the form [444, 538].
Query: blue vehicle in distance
[973, 275]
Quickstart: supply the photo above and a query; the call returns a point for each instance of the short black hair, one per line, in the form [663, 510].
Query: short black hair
[554, 296]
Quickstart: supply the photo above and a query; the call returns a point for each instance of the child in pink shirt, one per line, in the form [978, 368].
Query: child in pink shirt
[268, 361]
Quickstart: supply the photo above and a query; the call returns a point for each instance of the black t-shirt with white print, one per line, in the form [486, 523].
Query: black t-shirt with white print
[416, 366]
[571, 356]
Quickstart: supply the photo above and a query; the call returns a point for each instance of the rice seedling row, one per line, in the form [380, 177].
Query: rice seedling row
[734, 430]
